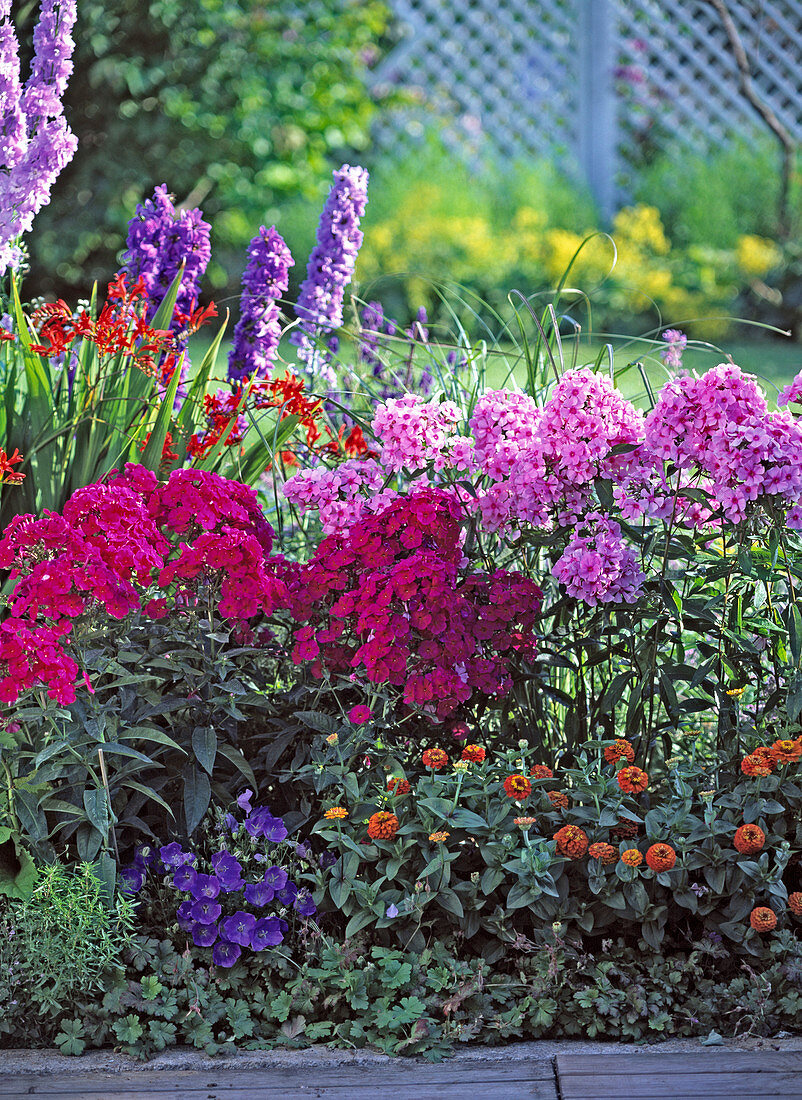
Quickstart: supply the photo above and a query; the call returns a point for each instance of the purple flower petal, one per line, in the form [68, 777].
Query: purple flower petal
[239, 928]
[225, 953]
[267, 932]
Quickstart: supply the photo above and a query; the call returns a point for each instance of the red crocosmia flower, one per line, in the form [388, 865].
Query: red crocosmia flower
[8, 475]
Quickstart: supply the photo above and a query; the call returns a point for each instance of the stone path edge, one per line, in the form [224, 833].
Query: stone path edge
[17, 1061]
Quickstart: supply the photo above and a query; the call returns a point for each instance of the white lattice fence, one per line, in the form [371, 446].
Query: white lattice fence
[587, 82]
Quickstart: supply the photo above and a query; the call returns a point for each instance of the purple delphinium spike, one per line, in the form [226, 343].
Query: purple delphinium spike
[160, 239]
[36, 140]
[258, 332]
[330, 269]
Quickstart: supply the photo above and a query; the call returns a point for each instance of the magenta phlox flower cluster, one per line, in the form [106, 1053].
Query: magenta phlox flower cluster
[385, 600]
[414, 432]
[791, 394]
[115, 543]
[235, 558]
[340, 493]
[258, 331]
[718, 427]
[598, 566]
[37, 142]
[191, 501]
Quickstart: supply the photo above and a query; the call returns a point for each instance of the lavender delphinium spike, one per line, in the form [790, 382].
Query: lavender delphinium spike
[160, 239]
[264, 282]
[37, 143]
[330, 269]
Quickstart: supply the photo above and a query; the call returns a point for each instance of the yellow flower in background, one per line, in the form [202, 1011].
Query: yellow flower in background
[336, 813]
[756, 255]
[641, 226]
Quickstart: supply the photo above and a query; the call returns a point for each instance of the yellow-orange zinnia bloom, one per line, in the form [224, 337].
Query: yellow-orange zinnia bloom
[632, 857]
[382, 825]
[749, 839]
[795, 903]
[474, 753]
[763, 919]
[605, 852]
[517, 787]
[620, 749]
[336, 812]
[571, 841]
[435, 759]
[661, 857]
[438, 838]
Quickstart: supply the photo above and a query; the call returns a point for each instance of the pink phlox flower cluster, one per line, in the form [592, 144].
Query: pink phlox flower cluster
[676, 342]
[385, 599]
[342, 494]
[719, 426]
[791, 393]
[414, 432]
[542, 462]
[598, 566]
[503, 424]
[114, 520]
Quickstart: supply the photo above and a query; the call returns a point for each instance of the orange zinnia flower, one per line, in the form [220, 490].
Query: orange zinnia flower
[474, 753]
[605, 852]
[632, 857]
[525, 821]
[571, 841]
[619, 750]
[749, 839]
[786, 752]
[558, 799]
[439, 838]
[661, 857]
[517, 787]
[336, 812]
[435, 759]
[754, 765]
[795, 903]
[398, 785]
[763, 919]
[541, 771]
[382, 825]
[632, 780]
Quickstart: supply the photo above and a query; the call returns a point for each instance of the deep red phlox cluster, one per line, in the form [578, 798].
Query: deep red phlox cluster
[387, 598]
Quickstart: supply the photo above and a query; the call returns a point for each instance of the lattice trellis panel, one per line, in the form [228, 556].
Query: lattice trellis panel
[497, 72]
[588, 82]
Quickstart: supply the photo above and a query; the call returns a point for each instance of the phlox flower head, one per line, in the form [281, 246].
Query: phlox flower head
[597, 566]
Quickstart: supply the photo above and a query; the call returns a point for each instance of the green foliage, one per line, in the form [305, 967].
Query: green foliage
[363, 995]
[59, 945]
[142, 756]
[17, 869]
[235, 104]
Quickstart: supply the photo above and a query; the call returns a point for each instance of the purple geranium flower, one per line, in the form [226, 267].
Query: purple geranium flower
[288, 895]
[267, 932]
[262, 823]
[228, 871]
[205, 886]
[184, 878]
[239, 928]
[259, 893]
[205, 911]
[184, 916]
[173, 855]
[132, 879]
[276, 877]
[204, 935]
[304, 905]
[225, 953]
